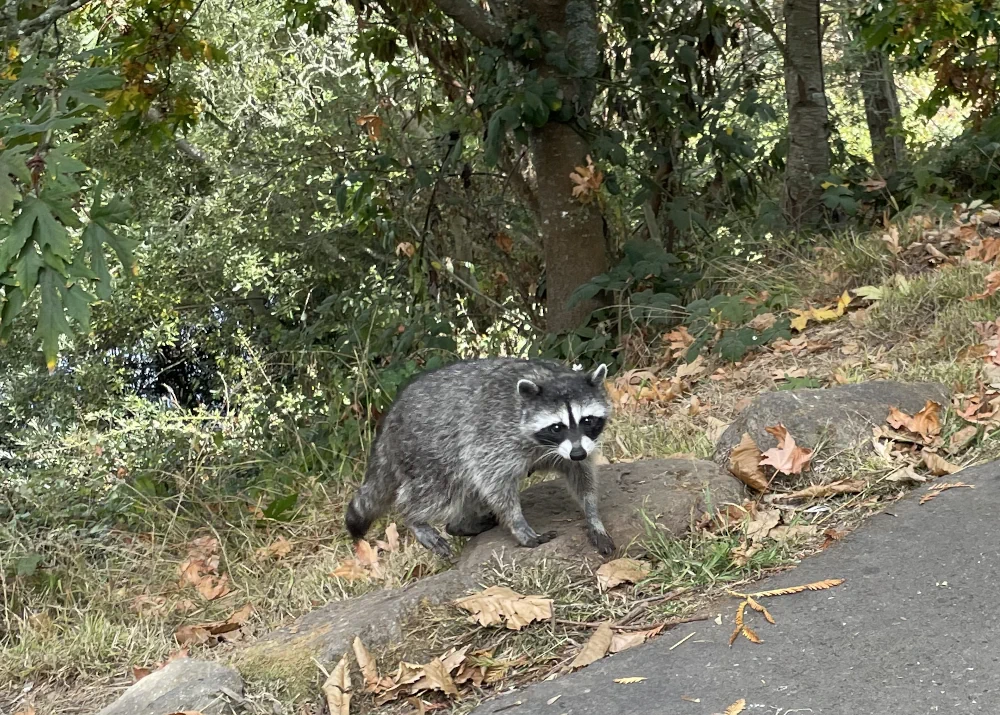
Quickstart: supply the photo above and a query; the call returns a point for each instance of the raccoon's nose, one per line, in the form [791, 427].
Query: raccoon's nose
[578, 454]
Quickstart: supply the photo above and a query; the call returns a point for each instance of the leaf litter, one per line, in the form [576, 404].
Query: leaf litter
[500, 605]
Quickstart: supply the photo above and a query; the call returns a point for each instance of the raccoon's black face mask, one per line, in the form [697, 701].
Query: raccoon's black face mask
[566, 415]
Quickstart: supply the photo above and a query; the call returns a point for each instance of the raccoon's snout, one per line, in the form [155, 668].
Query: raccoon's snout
[578, 454]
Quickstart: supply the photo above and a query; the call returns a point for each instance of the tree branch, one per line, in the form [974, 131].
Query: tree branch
[477, 22]
[44, 21]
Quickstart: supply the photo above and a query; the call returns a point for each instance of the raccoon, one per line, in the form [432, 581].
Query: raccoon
[457, 441]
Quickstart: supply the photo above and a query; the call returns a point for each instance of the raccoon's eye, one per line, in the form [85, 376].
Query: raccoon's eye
[587, 422]
[557, 427]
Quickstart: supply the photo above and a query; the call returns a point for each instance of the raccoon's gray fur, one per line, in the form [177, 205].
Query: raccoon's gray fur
[457, 441]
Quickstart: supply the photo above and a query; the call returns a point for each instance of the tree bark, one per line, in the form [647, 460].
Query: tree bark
[808, 129]
[572, 233]
[882, 113]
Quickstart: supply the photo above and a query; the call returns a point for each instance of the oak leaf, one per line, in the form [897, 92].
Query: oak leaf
[626, 640]
[621, 571]
[277, 549]
[499, 604]
[595, 648]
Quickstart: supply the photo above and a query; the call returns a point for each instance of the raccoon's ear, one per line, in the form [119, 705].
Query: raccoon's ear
[597, 376]
[527, 388]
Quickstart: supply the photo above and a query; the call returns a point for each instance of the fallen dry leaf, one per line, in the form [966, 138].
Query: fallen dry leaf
[201, 569]
[905, 474]
[595, 648]
[499, 604]
[787, 457]
[783, 534]
[630, 639]
[761, 524]
[938, 465]
[413, 679]
[763, 322]
[337, 689]
[278, 549]
[936, 490]
[744, 464]
[692, 369]
[621, 571]
[814, 586]
[736, 708]
[926, 422]
[832, 535]
[962, 439]
[350, 570]
[825, 490]
[367, 666]
[392, 537]
[221, 630]
[992, 285]
[629, 681]
[760, 609]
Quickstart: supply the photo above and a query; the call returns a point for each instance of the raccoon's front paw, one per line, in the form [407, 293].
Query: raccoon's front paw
[534, 540]
[603, 542]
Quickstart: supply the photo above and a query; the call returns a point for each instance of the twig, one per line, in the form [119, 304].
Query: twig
[645, 603]
[646, 627]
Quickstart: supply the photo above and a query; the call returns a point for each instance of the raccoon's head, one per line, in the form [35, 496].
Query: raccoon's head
[565, 413]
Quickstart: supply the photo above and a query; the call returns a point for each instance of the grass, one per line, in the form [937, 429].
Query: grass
[73, 628]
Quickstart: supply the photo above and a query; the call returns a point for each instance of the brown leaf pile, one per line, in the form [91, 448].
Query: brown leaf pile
[366, 564]
[926, 423]
[214, 632]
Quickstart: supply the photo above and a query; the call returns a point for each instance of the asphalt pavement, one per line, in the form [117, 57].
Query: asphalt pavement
[914, 629]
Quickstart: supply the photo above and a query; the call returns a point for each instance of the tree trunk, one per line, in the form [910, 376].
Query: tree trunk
[572, 233]
[882, 113]
[808, 130]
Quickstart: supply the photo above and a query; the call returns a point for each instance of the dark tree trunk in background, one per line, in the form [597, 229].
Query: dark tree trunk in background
[572, 233]
[882, 113]
[808, 129]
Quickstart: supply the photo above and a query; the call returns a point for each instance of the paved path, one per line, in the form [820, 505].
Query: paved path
[914, 630]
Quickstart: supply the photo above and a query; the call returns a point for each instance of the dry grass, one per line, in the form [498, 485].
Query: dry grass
[84, 632]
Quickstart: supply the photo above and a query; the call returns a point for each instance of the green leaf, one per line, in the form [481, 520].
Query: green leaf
[279, 507]
[12, 163]
[77, 303]
[584, 292]
[98, 233]
[26, 269]
[51, 319]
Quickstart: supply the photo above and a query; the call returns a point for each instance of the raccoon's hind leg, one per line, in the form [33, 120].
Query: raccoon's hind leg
[429, 537]
[581, 478]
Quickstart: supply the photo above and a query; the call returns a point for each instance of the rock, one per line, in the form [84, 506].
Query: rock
[838, 417]
[185, 684]
[326, 633]
[673, 492]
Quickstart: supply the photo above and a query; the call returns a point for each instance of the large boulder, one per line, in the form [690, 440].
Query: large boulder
[839, 418]
[183, 685]
[671, 492]
[326, 633]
